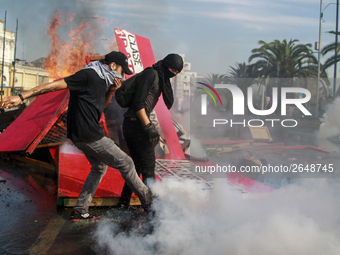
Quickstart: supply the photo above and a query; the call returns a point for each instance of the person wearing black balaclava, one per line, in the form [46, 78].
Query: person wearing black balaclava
[139, 132]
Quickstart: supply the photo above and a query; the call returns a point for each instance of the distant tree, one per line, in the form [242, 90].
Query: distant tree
[333, 59]
[285, 60]
[214, 78]
[242, 75]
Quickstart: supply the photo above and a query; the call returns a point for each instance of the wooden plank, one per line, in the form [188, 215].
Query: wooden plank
[293, 147]
[267, 144]
[240, 145]
[317, 149]
[96, 58]
[215, 142]
[261, 133]
[33, 162]
[49, 145]
[228, 147]
[219, 149]
[185, 145]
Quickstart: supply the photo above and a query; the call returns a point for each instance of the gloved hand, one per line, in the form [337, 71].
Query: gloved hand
[152, 133]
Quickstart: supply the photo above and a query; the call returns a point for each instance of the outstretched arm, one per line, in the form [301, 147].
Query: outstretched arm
[11, 101]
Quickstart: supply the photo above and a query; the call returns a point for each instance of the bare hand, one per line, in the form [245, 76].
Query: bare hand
[112, 90]
[9, 102]
[118, 83]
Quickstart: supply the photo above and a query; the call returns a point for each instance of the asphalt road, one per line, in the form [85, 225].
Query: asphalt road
[31, 222]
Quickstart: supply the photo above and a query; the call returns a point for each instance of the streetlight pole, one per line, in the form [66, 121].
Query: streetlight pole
[319, 59]
[15, 56]
[3, 57]
[336, 44]
[336, 48]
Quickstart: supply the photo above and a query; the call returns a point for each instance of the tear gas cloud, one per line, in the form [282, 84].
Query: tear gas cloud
[69, 148]
[330, 126]
[300, 219]
[196, 149]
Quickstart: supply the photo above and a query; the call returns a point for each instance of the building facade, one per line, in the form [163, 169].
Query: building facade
[183, 81]
[17, 77]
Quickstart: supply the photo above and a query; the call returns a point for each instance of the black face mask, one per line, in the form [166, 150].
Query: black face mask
[173, 61]
[167, 73]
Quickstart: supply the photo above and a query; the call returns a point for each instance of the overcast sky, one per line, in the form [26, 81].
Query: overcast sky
[213, 34]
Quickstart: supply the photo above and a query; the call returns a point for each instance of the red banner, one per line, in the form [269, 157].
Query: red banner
[140, 56]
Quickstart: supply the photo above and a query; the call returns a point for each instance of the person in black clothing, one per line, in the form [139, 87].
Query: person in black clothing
[140, 134]
[91, 89]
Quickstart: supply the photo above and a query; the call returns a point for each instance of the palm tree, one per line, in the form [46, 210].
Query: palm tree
[243, 76]
[285, 60]
[333, 59]
[214, 78]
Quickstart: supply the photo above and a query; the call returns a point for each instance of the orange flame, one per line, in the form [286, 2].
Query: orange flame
[67, 57]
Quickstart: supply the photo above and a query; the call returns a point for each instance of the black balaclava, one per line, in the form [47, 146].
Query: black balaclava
[173, 61]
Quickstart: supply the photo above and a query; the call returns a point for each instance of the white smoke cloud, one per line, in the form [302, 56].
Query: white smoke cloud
[196, 149]
[69, 148]
[296, 219]
[330, 126]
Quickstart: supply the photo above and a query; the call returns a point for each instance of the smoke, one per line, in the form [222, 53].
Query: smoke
[69, 148]
[330, 126]
[196, 148]
[297, 219]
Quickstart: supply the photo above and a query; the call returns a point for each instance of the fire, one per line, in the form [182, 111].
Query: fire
[67, 57]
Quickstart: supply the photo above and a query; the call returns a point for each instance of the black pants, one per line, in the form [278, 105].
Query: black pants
[142, 153]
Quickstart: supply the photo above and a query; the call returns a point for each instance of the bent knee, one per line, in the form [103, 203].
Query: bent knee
[129, 163]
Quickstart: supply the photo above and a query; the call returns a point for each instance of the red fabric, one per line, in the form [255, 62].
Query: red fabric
[163, 114]
[168, 131]
[73, 170]
[31, 122]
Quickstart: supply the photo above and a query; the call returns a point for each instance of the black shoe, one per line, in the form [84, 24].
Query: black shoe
[148, 207]
[76, 216]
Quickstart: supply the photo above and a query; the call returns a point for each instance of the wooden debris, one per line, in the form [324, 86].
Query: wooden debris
[33, 161]
[261, 133]
[317, 149]
[49, 145]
